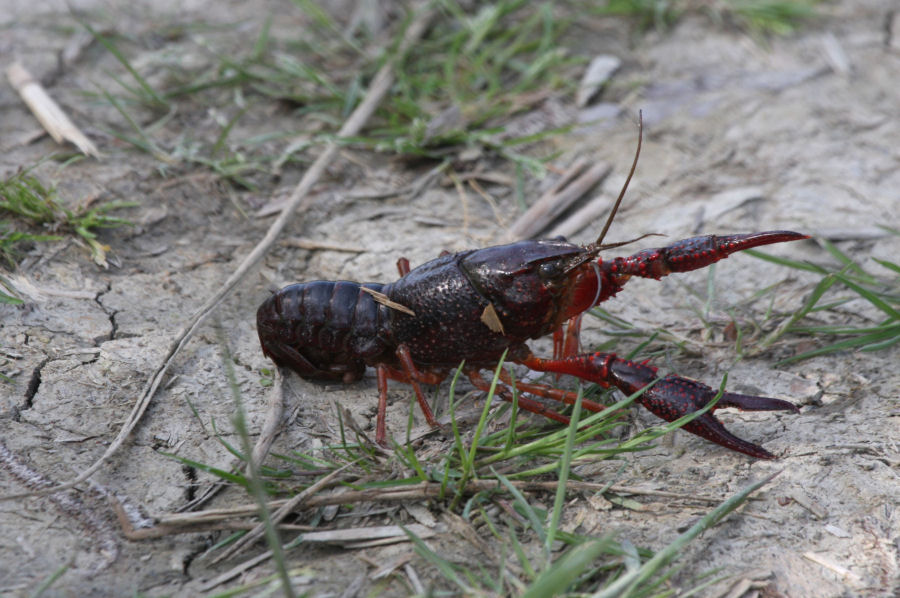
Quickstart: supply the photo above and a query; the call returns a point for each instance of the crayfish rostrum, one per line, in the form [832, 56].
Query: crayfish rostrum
[474, 305]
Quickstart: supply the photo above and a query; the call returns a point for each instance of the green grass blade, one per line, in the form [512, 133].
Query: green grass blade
[6, 286]
[888, 265]
[564, 464]
[256, 485]
[869, 296]
[514, 414]
[468, 465]
[143, 140]
[9, 299]
[51, 579]
[227, 476]
[826, 283]
[868, 342]
[888, 342]
[628, 584]
[781, 261]
[444, 566]
[556, 579]
[150, 94]
[848, 263]
[536, 521]
[324, 20]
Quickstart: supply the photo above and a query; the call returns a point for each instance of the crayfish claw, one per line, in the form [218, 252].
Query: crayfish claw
[669, 398]
[689, 254]
[674, 397]
[755, 403]
[698, 252]
[708, 427]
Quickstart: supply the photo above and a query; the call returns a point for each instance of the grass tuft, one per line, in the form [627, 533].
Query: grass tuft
[775, 17]
[481, 470]
[459, 91]
[30, 203]
[778, 17]
[836, 288]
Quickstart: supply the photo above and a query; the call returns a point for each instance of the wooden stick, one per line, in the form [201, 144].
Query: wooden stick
[257, 532]
[320, 245]
[574, 184]
[190, 522]
[48, 112]
[589, 214]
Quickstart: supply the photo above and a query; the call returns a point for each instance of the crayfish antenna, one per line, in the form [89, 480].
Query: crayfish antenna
[637, 153]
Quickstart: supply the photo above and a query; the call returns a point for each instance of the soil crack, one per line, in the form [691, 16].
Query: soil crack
[33, 385]
[891, 20]
[110, 313]
[190, 489]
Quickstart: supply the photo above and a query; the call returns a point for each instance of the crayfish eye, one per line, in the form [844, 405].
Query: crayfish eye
[550, 270]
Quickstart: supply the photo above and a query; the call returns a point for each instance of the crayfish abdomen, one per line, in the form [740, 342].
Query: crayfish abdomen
[324, 330]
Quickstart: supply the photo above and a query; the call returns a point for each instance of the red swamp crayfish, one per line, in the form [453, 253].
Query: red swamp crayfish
[474, 305]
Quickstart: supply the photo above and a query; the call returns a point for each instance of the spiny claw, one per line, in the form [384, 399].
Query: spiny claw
[670, 398]
[691, 254]
[699, 252]
[674, 397]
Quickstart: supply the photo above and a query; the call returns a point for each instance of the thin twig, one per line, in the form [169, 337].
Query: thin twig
[191, 526]
[434, 489]
[299, 201]
[372, 536]
[587, 215]
[355, 586]
[414, 189]
[227, 518]
[274, 414]
[47, 111]
[235, 571]
[280, 514]
[320, 245]
[577, 180]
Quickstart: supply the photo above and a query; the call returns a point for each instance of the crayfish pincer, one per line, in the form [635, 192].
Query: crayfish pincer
[474, 305]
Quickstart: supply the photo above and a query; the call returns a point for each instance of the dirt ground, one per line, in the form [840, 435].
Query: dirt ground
[741, 135]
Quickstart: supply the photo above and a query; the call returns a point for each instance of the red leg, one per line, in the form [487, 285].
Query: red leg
[411, 375]
[403, 263]
[549, 392]
[573, 336]
[540, 390]
[670, 398]
[525, 403]
[559, 339]
[415, 376]
[381, 417]
[567, 343]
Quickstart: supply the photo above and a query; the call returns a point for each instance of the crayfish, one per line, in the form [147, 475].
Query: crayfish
[475, 305]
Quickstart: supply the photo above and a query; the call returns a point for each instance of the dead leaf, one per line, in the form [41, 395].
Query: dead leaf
[384, 300]
[491, 319]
